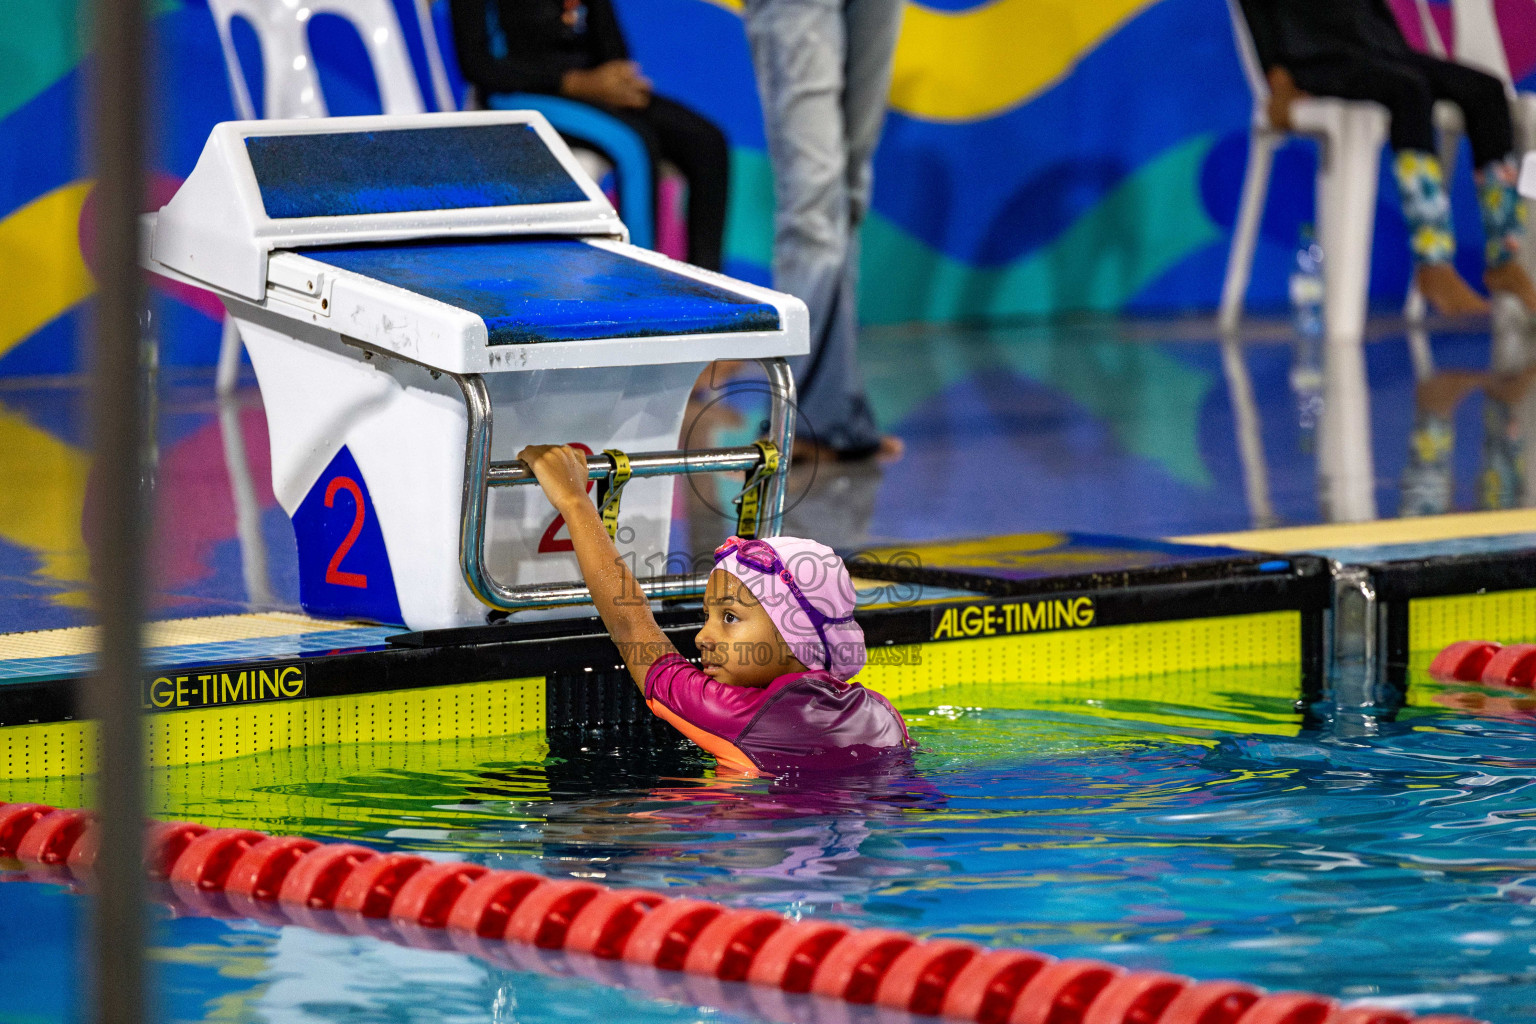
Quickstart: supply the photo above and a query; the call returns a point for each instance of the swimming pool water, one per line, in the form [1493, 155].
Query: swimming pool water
[1226, 841]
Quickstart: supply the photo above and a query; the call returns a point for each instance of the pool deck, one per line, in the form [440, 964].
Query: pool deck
[1387, 540]
[1425, 582]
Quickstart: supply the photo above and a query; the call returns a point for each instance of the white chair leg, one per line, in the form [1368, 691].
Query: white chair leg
[1449, 146]
[1525, 420]
[1348, 165]
[1345, 465]
[242, 488]
[1250, 435]
[1448, 125]
[1245, 236]
[228, 374]
[1419, 352]
[1347, 173]
[1508, 326]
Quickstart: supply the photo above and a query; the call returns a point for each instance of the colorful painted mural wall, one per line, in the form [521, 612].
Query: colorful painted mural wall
[1040, 157]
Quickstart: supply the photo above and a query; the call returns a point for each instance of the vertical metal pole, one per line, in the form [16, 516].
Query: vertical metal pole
[1250, 434]
[117, 512]
[781, 431]
[476, 503]
[1355, 682]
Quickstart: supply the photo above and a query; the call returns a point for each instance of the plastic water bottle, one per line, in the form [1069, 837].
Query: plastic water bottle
[1307, 315]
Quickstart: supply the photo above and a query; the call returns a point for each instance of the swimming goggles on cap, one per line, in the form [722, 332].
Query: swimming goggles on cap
[760, 556]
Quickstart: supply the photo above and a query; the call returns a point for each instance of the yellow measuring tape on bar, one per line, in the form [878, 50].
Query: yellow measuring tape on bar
[750, 501]
[611, 490]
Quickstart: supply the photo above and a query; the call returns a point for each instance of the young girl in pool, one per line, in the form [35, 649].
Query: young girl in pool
[778, 646]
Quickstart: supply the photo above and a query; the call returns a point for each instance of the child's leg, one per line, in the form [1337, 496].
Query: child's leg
[1491, 133]
[1503, 476]
[1408, 89]
[1428, 486]
[1427, 210]
[1426, 207]
[1502, 482]
[1490, 130]
[1503, 229]
[1503, 212]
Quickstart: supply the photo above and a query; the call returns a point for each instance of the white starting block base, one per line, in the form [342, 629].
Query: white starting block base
[423, 296]
[404, 434]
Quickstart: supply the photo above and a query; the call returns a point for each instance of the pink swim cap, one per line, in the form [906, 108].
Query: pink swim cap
[823, 580]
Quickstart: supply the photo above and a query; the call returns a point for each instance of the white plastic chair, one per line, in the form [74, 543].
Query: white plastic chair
[426, 24]
[1349, 134]
[291, 85]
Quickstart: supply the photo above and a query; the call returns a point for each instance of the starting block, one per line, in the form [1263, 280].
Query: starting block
[421, 296]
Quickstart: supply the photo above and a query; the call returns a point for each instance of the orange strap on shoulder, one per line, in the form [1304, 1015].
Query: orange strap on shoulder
[727, 753]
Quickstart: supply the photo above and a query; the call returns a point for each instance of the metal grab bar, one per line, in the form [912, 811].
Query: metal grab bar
[547, 595]
[674, 463]
[480, 474]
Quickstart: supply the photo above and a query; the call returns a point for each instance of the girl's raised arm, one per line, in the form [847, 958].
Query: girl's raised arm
[562, 472]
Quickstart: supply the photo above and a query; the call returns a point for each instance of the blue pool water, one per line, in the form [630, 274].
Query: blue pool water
[1397, 869]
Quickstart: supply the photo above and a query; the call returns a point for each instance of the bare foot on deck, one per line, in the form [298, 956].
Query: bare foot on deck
[1447, 292]
[1512, 278]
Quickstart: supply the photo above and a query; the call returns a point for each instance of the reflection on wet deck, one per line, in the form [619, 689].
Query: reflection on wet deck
[1138, 427]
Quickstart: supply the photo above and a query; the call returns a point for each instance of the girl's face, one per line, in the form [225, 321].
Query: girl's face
[739, 644]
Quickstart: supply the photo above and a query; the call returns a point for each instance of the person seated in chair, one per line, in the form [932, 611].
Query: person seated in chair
[575, 49]
[1353, 49]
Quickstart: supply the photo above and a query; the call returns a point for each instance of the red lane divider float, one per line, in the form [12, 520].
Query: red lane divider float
[522, 917]
[52, 837]
[1485, 662]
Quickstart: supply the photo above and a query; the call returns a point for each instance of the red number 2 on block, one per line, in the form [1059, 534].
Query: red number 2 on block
[333, 574]
[550, 544]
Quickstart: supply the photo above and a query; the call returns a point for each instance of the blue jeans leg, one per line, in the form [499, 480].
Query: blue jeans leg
[823, 71]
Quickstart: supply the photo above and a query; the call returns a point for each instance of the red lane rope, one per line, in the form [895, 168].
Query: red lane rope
[1486, 663]
[342, 887]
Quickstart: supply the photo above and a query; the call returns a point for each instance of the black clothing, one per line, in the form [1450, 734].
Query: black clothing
[529, 45]
[1354, 50]
[1408, 87]
[1287, 31]
[697, 148]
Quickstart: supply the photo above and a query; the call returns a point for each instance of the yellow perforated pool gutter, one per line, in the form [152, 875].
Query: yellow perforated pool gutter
[1020, 621]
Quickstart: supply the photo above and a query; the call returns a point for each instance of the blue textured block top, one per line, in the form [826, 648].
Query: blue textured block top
[554, 289]
[333, 174]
